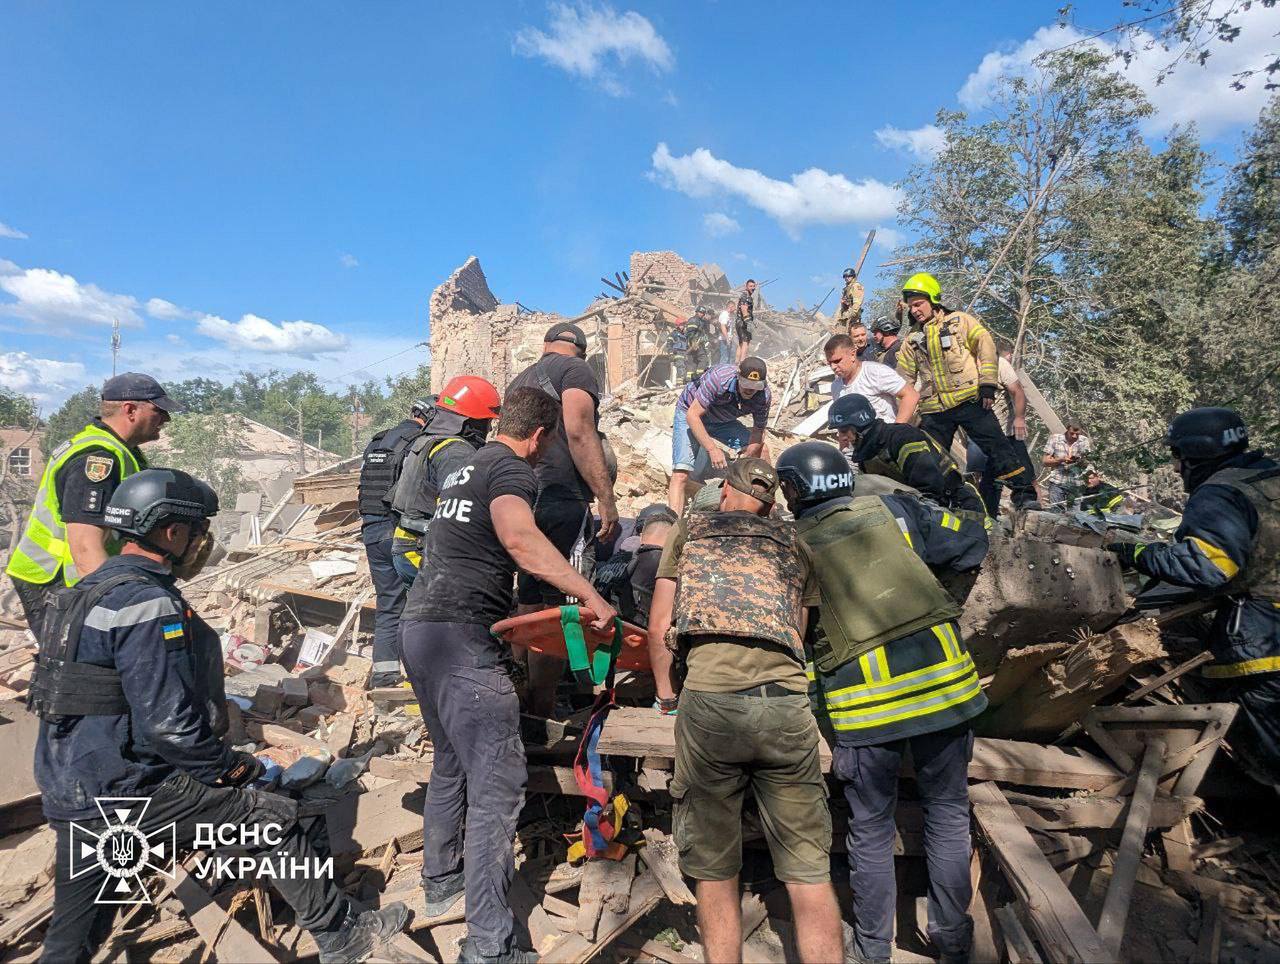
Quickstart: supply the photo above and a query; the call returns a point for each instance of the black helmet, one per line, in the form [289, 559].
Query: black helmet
[1204, 434]
[853, 411]
[424, 406]
[886, 326]
[849, 273]
[146, 498]
[817, 471]
[658, 512]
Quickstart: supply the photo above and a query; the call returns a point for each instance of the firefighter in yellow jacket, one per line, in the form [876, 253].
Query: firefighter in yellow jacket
[889, 670]
[953, 358]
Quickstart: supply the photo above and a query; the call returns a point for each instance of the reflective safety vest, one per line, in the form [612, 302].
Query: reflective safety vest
[43, 548]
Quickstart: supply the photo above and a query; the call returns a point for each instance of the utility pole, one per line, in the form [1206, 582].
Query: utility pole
[355, 419]
[302, 445]
[115, 344]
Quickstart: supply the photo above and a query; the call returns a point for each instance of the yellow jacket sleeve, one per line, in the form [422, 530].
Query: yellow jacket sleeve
[983, 347]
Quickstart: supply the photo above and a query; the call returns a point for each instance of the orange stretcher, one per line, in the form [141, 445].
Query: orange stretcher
[543, 632]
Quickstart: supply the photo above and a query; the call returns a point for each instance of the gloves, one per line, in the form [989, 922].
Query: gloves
[1126, 552]
[244, 769]
[987, 393]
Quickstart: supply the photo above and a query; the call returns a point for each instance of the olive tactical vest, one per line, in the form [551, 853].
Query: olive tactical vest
[741, 575]
[1261, 575]
[875, 589]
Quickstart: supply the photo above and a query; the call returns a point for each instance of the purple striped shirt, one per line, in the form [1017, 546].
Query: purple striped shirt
[717, 390]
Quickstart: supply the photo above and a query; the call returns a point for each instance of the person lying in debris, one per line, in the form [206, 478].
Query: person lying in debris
[129, 691]
[889, 671]
[627, 579]
[903, 453]
[745, 586]
[708, 412]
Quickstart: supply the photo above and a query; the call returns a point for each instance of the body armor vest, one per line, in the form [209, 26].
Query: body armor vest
[875, 589]
[1261, 575]
[413, 497]
[381, 465]
[741, 575]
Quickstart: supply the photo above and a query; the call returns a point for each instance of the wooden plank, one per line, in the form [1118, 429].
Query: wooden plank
[659, 855]
[1166, 678]
[210, 920]
[1209, 942]
[590, 898]
[1017, 942]
[1074, 814]
[1053, 914]
[575, 949]
[1115, 907]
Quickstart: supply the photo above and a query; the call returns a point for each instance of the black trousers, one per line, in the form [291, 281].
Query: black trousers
[389, 588]
[33, 596]
[984, 431]
[989, 488]
[80, 924]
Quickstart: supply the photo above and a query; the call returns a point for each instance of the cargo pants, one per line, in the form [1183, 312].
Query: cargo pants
[478, 776]
[377, 536]
[984, 431]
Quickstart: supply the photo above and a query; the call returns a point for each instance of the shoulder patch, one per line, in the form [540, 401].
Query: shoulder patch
[98, 467]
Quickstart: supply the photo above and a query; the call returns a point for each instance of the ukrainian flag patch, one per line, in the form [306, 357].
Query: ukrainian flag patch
[173, 632]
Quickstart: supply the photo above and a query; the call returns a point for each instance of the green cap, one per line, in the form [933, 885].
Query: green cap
[754, 477]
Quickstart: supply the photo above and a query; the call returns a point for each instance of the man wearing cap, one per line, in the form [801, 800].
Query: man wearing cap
[65, 538]
[707, 413]
[745, 316]
[571, 473]
[733, 594]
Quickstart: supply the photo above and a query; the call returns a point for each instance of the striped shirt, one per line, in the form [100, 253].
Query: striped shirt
[717, 392]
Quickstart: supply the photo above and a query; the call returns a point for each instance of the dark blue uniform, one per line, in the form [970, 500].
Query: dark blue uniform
[1214, 544]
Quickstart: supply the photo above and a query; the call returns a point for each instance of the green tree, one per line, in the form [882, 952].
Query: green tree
[210, 448]
[203, 396]
[17, 409]
[74, 414]
[1250, 205]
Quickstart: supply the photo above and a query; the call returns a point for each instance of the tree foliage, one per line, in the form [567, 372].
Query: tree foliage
[74, 414]
[17, 409]
[209, 447]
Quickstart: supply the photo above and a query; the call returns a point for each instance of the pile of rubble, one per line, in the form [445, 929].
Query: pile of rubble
[1097, 785]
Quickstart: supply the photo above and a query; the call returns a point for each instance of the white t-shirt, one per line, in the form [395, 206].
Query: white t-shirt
[1003, 406]
[878, 384]
[723, 319]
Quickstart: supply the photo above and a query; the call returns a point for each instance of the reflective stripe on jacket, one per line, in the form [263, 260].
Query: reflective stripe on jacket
[952, 355]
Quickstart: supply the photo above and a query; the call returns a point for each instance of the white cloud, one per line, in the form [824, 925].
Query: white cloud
[811, 197]
[888, 238]
[348, 261]
[252, 333]
[922, 142]
[168, 311]
[587, 40]
[718, 225]
[49, 299]
[8, 232]
[1190, 93]
[46, 380]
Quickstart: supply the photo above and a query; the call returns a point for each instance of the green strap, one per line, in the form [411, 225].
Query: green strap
[575, 645]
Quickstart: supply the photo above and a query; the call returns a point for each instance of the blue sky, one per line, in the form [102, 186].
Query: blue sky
[283, 184]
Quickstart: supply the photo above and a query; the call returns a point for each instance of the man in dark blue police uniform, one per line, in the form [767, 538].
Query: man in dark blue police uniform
[129, 691]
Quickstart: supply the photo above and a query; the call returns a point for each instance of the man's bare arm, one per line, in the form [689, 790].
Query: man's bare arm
[534, 554]
[88, 546]
[660, 614]
[908, 399]
[755, 444]
[588, 454]
[1019, 399]
[699, 431]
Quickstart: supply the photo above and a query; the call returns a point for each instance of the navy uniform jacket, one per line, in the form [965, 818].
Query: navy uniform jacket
[1211, 546]
[170, 667]
[908, 449]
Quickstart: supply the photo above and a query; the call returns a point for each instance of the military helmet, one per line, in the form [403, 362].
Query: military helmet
[925, 285]
[852, 411]
[1205, 434]
[849, 273]
[818, 473]
[886, 326]
[423, 407]
[147, 498]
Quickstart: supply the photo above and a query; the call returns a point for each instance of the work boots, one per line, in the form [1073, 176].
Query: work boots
[360, 933]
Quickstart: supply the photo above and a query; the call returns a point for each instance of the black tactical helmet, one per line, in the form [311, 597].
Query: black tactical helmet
[424, 406]
[849, 273]
[818, 473]
[146, 498]
[1204, 434]
[851, 411]
[658, 512]
[886, 326]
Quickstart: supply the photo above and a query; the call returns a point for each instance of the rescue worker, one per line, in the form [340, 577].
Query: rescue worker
[678, 349]
[697, 357]
[464, 412]
[903, 453]
[724, 329]
[573, 471]
[707, 412]
[734, 589]
[129, 691]
[1228, 547]
[888, 392]
[65, 538]
[1010, 410]
[743, 319]
[483, 529]
[889, 672]
[884, 331]
[1099, 496]
[379, 470]
[954, 358]
[850, 310]
[627, 580]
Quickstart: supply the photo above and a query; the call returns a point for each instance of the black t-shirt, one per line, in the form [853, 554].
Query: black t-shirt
[467, 576]
[558, 477]
[85, 483]
[644, 578]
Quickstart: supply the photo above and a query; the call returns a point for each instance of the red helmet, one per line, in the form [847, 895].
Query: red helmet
[471, 397]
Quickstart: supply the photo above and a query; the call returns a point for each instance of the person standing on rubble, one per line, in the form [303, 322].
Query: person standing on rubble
[891, 671]
[903, 453]
[734, 588]
[464, 412]
[954, 358]
[379, 470]
[1228, 547]
[1010, 410]
[484, 528]
[129, 692]
[724, 323]
[887, 391]
[65, 537]
[707, 413]
[573, 471]
[1065, 456]
[863, 347]
[850, 310]
[884, 331]
[744, 318]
